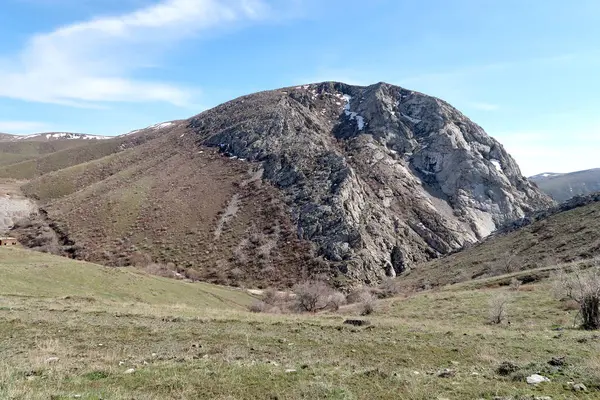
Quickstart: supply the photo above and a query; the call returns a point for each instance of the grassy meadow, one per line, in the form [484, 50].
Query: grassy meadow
[70, 330]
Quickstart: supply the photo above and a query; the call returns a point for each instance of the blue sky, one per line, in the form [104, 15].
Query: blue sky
[525, 70]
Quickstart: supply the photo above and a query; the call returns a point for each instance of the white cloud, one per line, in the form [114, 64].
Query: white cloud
[22, 126]
[553, 151]
[91, 62]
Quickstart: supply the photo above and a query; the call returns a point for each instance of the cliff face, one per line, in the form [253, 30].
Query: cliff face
[378, 178]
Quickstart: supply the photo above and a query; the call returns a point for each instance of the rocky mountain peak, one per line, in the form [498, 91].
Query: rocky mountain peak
[378, 178]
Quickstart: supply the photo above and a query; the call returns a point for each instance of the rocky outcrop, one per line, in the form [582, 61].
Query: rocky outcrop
[378, 178]
[13, 205]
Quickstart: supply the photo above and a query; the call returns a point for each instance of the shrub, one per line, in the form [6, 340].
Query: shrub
[357, 295]
[367, 303]
[583, 287]
[258, 307]
[388, 288]
[497, 309]
[515, 284]
[312, 296]
[336, 300]
[158, 270]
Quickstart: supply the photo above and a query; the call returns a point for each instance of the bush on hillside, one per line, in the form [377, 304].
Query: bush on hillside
[498, 309]
[583, 287]
[312, 296]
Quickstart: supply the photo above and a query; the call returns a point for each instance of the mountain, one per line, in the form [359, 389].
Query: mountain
[564, 186]
[359, 182]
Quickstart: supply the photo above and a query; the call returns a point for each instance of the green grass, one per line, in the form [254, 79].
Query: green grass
[30, 274]
[100, 322]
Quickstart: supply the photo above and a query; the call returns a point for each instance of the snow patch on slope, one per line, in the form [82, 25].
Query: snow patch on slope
[360, 121]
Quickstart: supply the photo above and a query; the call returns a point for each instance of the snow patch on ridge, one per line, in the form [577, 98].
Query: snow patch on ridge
[497, 165]
[160, 125]
[360, 121]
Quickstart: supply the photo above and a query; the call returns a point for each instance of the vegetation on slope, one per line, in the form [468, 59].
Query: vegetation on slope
[32, 274]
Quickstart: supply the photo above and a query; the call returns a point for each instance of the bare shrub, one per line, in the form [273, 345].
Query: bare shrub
[259, 307]
[138, 259]
[364, 298]
[388, 288]
[509, 264]
[192, 274]
[312, 296]
[336, 300]
[357, 295]
[498, 309]
[515, 284]
[583, 287]
[367, 304]
[158, 270]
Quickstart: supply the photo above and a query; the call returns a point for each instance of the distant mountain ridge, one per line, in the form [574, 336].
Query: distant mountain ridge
[562, 187]
[6, 137]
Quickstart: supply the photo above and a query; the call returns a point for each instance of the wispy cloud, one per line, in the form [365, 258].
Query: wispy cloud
[22, 126]
[88, 63]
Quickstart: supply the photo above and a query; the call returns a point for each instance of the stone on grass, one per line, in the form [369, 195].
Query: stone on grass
[129, 371]
[446, 373]
[290, 371]
[579, 387]
[52, 360]
[536, 379]
[557, 362]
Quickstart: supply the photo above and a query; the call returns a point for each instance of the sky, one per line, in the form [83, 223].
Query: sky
[527, 71]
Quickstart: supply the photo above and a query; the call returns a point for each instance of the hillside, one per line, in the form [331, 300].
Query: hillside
[75, 330]
[32, 274]
[169, 201]
[566, 233]
[564, 186]
[355, 182]
[31, 156]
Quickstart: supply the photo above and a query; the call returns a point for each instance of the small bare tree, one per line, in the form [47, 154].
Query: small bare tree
[498, 309]
[583, 287]
[509, 259]
[316, 296]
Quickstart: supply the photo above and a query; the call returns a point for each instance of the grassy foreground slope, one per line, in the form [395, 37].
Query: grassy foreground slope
[106, 345]
[26, 273]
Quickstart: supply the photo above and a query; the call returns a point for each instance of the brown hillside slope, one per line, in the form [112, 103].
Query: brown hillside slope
[37, 155]
[561, 237]
[169, 201]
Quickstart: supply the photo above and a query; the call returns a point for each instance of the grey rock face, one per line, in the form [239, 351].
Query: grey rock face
[379, 178]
